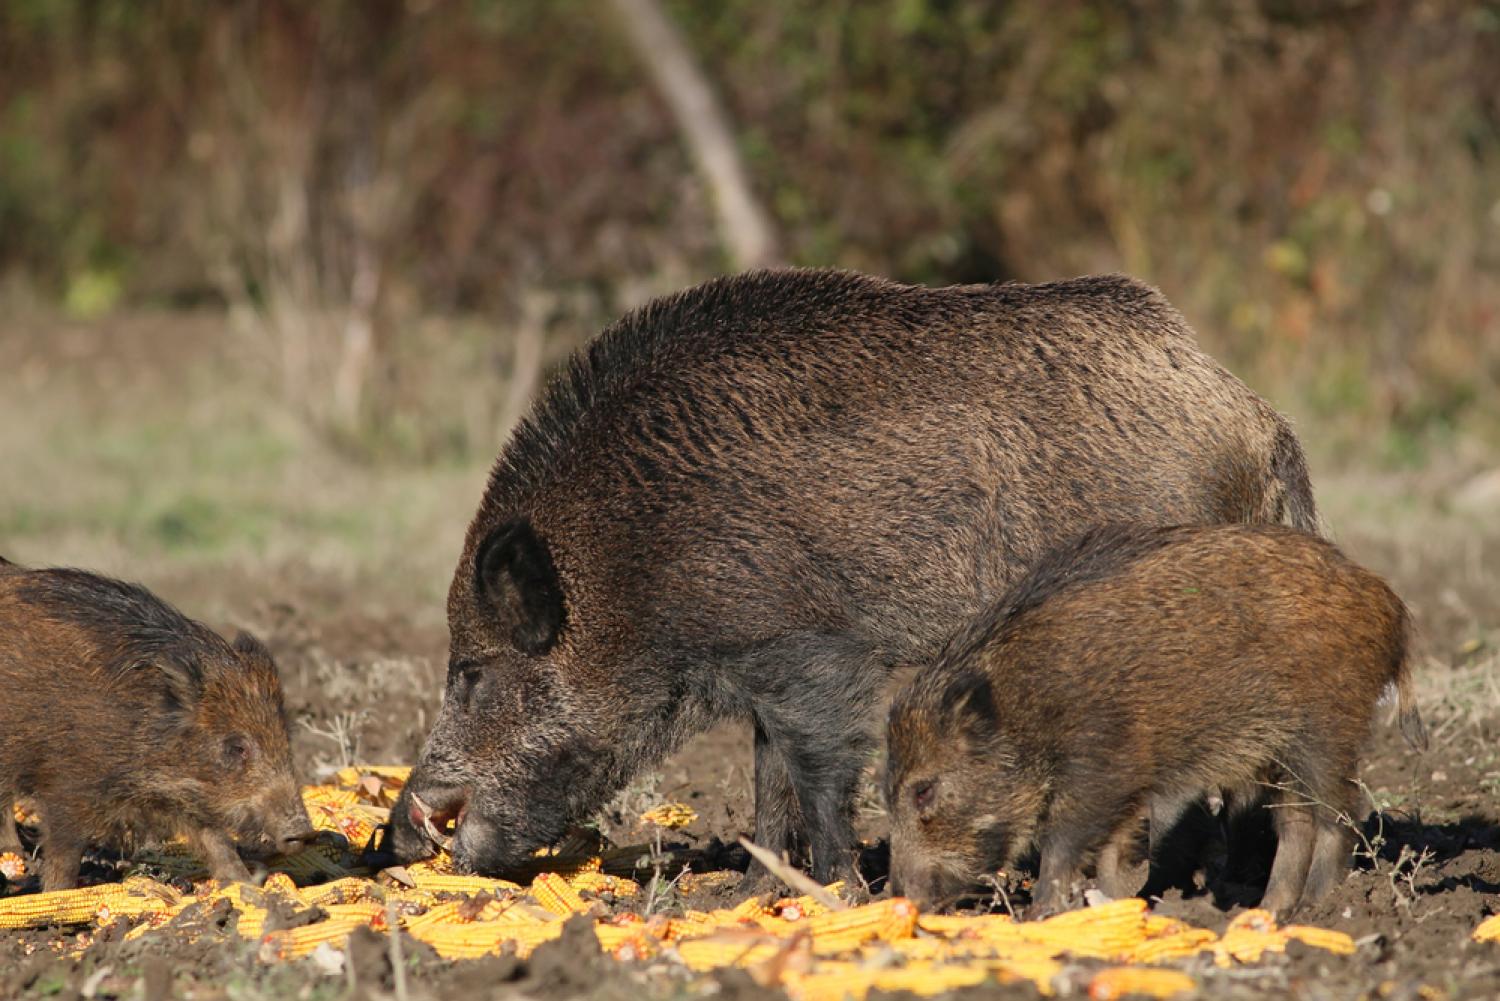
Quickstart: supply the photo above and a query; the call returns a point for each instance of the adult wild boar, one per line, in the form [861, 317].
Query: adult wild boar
[753, 498]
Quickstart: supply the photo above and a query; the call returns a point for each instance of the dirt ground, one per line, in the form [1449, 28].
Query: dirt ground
[362, 653]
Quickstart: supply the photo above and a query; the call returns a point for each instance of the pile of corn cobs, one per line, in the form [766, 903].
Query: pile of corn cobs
[814, 951]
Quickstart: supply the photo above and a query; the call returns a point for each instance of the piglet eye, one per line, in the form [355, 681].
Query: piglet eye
[237, 751]
[922, 795]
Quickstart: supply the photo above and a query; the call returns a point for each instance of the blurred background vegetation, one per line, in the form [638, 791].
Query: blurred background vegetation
[255, 243]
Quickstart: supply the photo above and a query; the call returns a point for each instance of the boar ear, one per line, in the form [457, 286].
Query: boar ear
[514, 571]
[969, 701]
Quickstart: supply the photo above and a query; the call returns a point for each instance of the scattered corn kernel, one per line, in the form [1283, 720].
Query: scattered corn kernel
[670, 815]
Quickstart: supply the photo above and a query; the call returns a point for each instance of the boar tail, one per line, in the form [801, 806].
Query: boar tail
[1412, 727]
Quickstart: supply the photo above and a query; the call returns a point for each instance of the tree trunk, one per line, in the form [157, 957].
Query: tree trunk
[744, 226]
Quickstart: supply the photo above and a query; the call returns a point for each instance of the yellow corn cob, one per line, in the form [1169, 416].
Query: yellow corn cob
[1176, 946]
[625, 941]
[1100, 932]
[60, 907]
[12, 866]
[957, 924]
[927, 978]
[1321, 938]
[481, 938]
[316, 798]
[459, 912]
[238, 894]
[310, 864]
[598, 882]
[670, 815]
[371, 912]
[1254, 919]
[929, 948]
[292, 943]
[1487, 930]
[280, 883]
[1132, 909]
[442, 862]
[129, 906]
[443, 882]
[568, 865]
[252, 921]
[1246, 945]
[340, 891]
[746, 909]
[839, 931]
[349, 777]
[694, 924]
[674, 929]
[1158, 925]
[1119, 981]
[406, 896]
[797, 908]
[727, 949]
[831, 982]
[553, 892]
[1038, 970]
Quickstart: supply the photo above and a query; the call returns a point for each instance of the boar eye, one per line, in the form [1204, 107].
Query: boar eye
[922, 795]
[237, 751]
[465, 676]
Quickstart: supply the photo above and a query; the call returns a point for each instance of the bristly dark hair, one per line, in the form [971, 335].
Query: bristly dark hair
[763, 311]
[1097, 553]
[659, 336]
[128, 621]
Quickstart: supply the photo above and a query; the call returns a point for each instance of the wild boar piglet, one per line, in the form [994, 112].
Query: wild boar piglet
[126, 722]
[1133, 671]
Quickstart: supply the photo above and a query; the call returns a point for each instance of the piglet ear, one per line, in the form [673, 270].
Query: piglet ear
[969, 701]
[514, 573]
[183, 681]
[249, 646]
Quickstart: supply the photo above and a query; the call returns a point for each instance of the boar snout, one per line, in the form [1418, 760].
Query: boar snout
[928, 886]
[295, 836]
[285, 827]
[420, 819]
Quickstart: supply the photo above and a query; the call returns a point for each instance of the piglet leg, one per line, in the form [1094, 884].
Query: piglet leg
[1295, 832]
[218, 852]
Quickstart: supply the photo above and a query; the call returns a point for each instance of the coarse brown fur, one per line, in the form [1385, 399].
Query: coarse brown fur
[753, 498]
[1136, 669]
[125, 722]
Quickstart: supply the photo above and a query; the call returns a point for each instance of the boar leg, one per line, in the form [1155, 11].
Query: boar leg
[824, 778]
[1295, 829]
[218, 853]
[10, 838]
[1333, 841]
[1055, 877]
[775, 807]
[62, 855]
